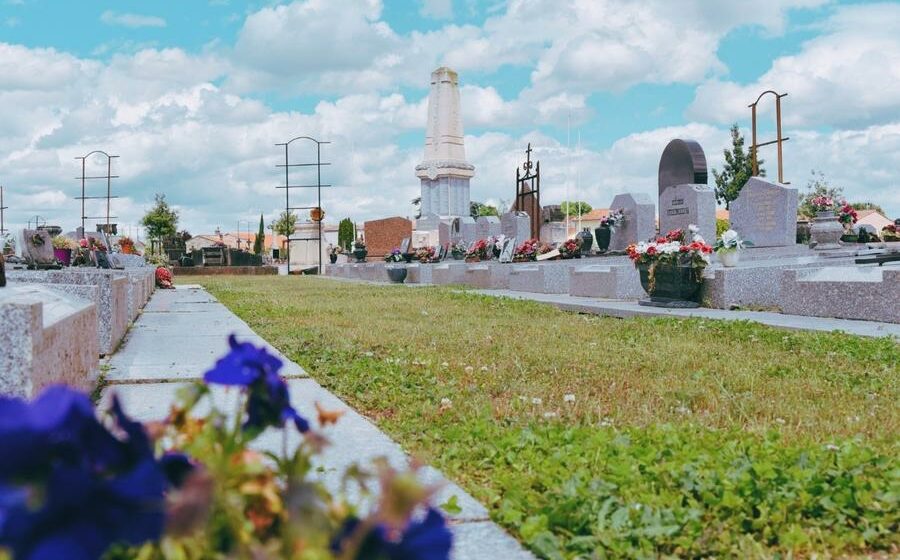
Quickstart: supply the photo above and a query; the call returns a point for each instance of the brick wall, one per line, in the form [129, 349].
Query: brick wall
[384, 235]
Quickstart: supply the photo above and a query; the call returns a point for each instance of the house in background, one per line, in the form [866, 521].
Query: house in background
[873, 218]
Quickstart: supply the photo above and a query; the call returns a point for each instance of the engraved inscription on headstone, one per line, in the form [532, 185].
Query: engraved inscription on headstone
[765, 213]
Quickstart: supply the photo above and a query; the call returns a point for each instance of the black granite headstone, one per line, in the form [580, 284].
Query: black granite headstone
[682, 163]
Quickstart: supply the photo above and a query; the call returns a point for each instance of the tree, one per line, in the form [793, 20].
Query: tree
[346, 234]
[477, 209]
[161, 221]
[738, 169]
[260, 238]
[818, 186]
[868, 206]
[285, 225]
[575, 209]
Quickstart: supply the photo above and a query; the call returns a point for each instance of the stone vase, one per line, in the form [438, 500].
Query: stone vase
[826, 231]
[64, 256]
[397, 274]
[587, 241]
[603, 234]
[360, 255]
[728, 258]
[670, 284]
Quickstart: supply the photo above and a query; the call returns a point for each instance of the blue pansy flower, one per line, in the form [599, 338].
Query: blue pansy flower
[427, 539]
[268, 401]
[69, 488]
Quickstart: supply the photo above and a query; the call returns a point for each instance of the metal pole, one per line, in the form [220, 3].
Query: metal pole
[287, 206]
[778, 134]
[108, 191]
[2, 208]
[82, 198]
[319, 202]
[753, 147]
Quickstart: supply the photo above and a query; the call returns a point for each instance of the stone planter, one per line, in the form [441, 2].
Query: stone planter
[64, 256]
[603, 234]
[397, 274]
[825, 231]
[728, 257]
[670, 285]
[587, 241]
[360, 255]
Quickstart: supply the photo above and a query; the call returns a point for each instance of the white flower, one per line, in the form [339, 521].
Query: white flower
[445, 364]
[693, 228]
[469, 369]
[370, 354]
[446, 403]
[549, 415]
[536, 400]
[523, 398]
[832, 447]
[780, 421]
[569, 397]
[606, 423]
[484, 368]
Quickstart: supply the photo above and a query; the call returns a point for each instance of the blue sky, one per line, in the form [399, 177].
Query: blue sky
[193, 95]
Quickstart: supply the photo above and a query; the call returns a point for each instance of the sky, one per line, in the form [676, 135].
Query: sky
[193, 97]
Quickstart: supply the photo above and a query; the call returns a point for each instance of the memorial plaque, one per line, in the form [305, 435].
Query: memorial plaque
[765, 214]
[509, 248]
[404, 245]
[37, 248]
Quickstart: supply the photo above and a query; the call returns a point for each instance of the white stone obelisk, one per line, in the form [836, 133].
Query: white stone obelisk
[444, 172]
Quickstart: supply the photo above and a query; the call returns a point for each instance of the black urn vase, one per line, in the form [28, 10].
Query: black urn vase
[397, 274]
[670, 284]
[587, 241]
[603, 234]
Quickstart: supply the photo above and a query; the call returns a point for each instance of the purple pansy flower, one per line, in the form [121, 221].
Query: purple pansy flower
[268, 401]
[428, 539]
[68, 487]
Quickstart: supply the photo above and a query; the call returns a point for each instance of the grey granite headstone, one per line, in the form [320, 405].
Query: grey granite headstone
[488, 226]
[765, 214]
[516, 224]
[640, 220]
[429, 222]
[463, 230]
[37, 248]
[683, 205]
[682, 163]
[443, 233]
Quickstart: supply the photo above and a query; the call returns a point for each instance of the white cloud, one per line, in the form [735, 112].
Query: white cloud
[437, 9]
[847, 77]
[110, 17]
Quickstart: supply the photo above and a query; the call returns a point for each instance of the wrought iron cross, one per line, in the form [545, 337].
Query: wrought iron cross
[527, 165]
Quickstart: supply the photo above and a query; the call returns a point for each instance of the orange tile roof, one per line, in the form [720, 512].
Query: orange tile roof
[594, 215]
[722, 214]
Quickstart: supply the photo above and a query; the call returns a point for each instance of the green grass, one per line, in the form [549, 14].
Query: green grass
[688, 438]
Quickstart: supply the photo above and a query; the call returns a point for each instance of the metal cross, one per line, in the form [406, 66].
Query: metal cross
[527, 165]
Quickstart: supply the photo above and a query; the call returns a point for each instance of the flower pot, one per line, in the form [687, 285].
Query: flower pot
[64, 256]
[587, 241]
[397, 274]
[825, 231]
[603, 234]
[408, 257]
[332, 257]
[850, 238]
[457, 256]
[728, 257]
[360, 255]
[670, 285]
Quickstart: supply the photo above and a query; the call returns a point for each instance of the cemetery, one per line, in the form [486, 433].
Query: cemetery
[665, 384]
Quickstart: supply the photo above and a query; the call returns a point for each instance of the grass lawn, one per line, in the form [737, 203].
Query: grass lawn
[593, 437]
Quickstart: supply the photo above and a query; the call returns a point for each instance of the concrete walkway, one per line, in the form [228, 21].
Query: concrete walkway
[624, 309]
[180, 335]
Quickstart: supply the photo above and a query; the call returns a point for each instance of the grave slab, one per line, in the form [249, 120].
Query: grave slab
[765, 214]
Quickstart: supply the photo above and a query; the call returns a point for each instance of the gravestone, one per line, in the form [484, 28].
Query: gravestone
[765, 214]
[554, 232]
[488, 226]
[428, 222]
[462, 230]
[684, 197]
[384, 235]
[640, 220]
[442, 252]
[683, 205]
[516, 225]
[509, 248]
[37, 248]
[443, 233]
